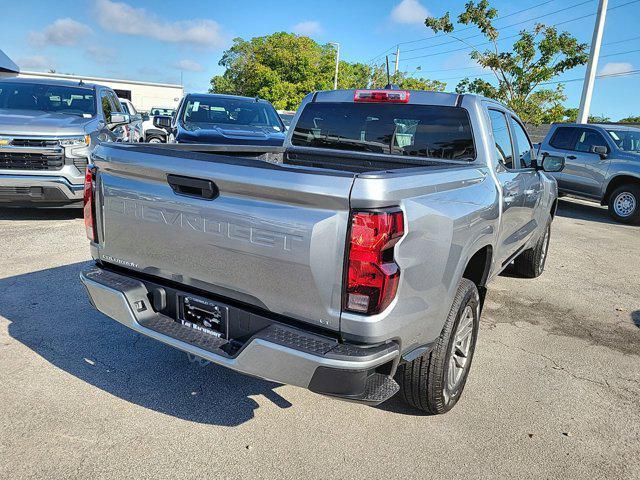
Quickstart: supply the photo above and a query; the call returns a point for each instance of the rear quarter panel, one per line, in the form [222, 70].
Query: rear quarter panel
[450, 214]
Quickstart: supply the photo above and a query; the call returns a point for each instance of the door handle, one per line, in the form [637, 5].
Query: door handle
[571, 157]
[193, 187]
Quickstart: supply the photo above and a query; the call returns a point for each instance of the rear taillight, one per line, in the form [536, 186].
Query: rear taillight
[89, 204]
[391, 96]
[372, 274]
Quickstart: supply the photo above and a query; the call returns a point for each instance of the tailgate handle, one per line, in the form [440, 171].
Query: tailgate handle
[193, 187]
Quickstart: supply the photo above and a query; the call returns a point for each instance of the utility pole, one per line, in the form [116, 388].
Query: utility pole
[592, 66]
[335, 76]
[395, 69]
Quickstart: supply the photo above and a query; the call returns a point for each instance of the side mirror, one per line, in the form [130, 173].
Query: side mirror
[552, 163]
[600, 150]
[119, 119]
[162, 121]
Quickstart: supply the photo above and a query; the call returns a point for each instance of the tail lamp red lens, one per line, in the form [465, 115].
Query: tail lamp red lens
[390, 96]
[89, 205]
[373, 275]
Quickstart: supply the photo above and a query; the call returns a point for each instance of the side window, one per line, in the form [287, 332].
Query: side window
[523, 143]
[587, 139]
[117, 107]
[125, 107]
[501, 135]
[107, 109]
[563, 138]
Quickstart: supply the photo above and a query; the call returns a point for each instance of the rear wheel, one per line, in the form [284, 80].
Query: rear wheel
[434, 381]
[531, 262]
[624, 204]
[154, 140]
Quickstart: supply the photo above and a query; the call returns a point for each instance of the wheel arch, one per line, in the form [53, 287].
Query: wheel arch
[477, 269]
[616, 182]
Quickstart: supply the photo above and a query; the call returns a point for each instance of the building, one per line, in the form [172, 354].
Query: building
[143, 95]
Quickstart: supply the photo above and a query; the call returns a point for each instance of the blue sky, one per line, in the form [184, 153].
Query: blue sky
[156, 40]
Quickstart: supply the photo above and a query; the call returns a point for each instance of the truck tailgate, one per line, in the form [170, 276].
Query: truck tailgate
[273, 236]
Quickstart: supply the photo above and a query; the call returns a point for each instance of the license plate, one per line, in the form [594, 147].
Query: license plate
[203, 315]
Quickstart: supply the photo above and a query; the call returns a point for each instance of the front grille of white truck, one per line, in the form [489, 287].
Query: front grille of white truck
[30, 161]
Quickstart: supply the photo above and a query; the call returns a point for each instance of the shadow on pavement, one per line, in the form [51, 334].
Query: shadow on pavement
[18, 213]
[584, 211]
[635, 316]
[49, 312]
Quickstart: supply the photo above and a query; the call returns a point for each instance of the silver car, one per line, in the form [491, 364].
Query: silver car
[48, 128]
[602, 163]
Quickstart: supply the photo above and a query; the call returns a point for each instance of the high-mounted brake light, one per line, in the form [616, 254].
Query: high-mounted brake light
[372, 275]
[89, 204]
[391, 96]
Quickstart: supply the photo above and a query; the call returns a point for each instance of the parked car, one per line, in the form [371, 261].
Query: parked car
[224, 120]
[151, 133]
[47, 130]
[134, 129]
[354, 265]
[286, 116]
[602, 164]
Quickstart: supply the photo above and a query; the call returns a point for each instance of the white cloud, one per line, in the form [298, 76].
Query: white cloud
[189, 65]
[100, 53]
[122, 18]
[37, 62]
[62, 32]
[616, 67]
[309, 27]
[409, 11]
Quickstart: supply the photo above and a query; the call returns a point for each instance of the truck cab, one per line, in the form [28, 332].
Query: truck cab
[602, 164]
[226, 120]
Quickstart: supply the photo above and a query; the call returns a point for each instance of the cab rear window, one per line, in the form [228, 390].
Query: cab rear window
[431, 131]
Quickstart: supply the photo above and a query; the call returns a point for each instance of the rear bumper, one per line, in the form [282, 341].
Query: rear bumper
[278, 352]
[39, 190]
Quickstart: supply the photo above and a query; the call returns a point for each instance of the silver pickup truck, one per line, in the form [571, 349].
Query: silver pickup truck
[47, 131]
[602, 163]
[353, 261]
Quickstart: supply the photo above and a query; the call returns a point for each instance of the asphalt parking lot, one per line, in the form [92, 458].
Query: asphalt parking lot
[554, 391]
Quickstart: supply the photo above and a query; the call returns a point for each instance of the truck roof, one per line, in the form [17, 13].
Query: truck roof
[617, 126]
[223, 95]
[417, 97]
[49, 81]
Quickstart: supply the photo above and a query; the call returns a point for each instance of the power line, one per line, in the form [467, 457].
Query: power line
[488, 74]
[505, 26]
[471, 26]
[628, 73]
[620, 53]
[390, 49]
[516, 35]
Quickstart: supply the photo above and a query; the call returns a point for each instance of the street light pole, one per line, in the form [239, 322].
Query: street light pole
[335, 77]
[592, 66]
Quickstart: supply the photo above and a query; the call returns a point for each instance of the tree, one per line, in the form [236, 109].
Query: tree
[630, 120]
[571, 115]
[284, 67]
[536, 57]
[404, 81]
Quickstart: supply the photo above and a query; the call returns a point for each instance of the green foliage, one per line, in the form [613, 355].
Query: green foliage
[571, 115]
[630, 119]
[284, 67]
[536, 57]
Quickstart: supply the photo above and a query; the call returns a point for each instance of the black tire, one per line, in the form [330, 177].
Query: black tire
[625, 199]
[424, 381]
[155, 139]
[531, 262]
